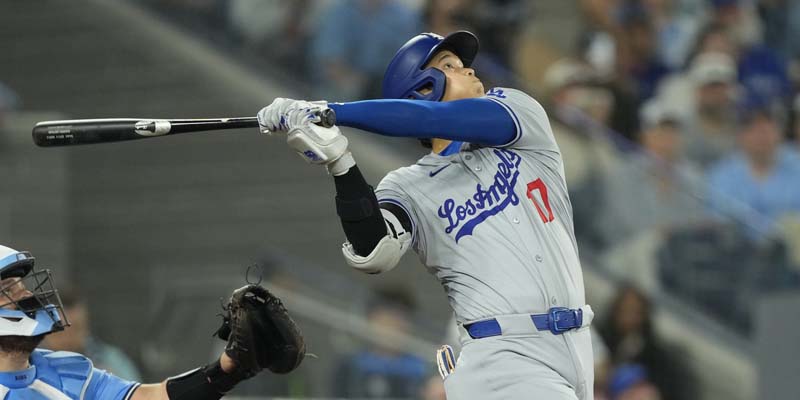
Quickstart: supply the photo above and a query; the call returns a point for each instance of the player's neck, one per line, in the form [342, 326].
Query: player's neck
[14, 361]
[437, 145]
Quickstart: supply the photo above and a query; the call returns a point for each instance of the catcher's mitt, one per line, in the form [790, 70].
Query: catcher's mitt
[260, 333]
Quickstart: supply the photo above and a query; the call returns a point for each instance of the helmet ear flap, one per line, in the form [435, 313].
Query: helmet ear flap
[430, 85]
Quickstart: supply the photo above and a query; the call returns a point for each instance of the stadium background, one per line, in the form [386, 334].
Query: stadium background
[151, 234]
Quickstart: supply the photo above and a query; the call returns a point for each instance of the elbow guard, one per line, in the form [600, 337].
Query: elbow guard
[387, 252]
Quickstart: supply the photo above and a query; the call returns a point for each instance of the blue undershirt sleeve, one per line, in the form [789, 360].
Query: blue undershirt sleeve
[478, 120]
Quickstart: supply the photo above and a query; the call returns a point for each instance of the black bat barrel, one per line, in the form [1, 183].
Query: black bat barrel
[88, 131]
[68, 133]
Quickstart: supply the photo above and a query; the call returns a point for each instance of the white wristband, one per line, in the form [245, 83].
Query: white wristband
[341, 165]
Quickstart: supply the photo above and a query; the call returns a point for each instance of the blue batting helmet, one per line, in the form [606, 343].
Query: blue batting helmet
[35, 312]
[406, 75]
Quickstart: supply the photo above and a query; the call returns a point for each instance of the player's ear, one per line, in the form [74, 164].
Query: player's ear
[425, 90]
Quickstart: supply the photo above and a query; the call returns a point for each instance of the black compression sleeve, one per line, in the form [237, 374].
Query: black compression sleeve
[207, 383]
[358, 210]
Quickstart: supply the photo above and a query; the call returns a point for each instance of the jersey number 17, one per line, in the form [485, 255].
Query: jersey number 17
[538, 185]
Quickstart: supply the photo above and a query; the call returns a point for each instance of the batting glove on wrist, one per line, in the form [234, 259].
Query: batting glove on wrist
[285, 114]
[320, 145]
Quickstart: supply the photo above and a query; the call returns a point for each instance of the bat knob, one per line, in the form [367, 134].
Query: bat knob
[327, 118]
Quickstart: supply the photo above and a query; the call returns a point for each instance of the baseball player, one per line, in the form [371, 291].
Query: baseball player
[486, 211]
[258, 329]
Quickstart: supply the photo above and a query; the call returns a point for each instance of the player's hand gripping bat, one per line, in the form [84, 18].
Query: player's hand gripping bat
[86, 131]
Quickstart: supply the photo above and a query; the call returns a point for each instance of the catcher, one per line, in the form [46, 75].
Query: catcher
[259, 332]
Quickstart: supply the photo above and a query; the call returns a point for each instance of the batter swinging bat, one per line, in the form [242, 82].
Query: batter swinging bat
[86, 131]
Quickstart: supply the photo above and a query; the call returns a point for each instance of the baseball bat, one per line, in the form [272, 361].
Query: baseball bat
[86, 131]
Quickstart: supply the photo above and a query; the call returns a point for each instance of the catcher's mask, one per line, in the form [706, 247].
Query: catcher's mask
[29, 303]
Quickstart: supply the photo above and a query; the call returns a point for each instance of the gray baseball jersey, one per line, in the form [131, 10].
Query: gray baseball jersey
[494, 224]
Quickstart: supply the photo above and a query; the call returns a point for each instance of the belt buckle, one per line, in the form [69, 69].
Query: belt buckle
[562, 314]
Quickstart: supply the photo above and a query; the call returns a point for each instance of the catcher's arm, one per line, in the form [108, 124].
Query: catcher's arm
[260, 334]
[158, 391]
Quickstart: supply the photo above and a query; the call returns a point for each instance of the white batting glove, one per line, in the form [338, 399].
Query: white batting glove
[320, 145]
[276, 116]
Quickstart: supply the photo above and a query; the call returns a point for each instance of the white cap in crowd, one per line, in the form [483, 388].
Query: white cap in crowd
[654, 113]
[566, 72]
[712, 67]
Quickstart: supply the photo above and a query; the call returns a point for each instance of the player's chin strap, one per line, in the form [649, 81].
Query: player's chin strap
[205, 383]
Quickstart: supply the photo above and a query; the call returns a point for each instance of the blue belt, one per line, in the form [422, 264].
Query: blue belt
[557, 320]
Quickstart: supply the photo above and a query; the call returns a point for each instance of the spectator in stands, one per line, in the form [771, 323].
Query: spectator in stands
[602, 366]
[676, 24]
[581, 105]
[445, 16]
[383, 370]
[354, 39]
[607, 47]
[711, 130]
[603, 31]
[630, 382]
[715, 39]
[573, 85]
[761, 70]
[498, 23]
[628, 332]
[638, 58]
[654, 188]
[739, 18]
[781, 21]
[79, 339]
[759, 184]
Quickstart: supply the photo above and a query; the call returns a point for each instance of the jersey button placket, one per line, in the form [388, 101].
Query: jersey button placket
[470, 164]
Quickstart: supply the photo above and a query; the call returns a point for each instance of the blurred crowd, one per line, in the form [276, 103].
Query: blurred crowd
[679, 121]
[695, 192]
[338, 49]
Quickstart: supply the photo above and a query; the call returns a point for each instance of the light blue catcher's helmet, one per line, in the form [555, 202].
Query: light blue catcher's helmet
[38, 313]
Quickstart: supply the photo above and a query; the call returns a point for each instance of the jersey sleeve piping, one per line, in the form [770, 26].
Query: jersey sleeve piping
[517, 125]
[410, 216]
[132, 389]
[88, 379]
